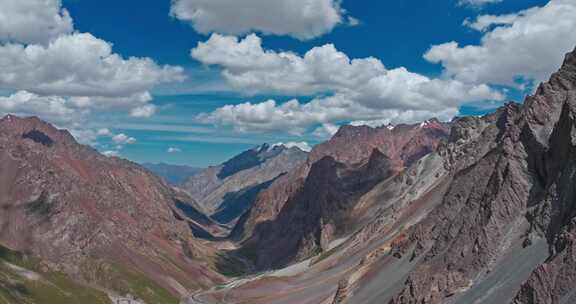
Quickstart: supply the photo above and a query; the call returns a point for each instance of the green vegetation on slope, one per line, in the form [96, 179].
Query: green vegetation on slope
[125, 281]
[22, 280]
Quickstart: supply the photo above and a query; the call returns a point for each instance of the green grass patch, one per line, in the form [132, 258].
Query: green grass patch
[125, 281]
[49, 288]
[59, 288]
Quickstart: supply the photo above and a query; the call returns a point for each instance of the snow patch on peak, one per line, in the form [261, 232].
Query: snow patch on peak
[304, 146]
[426, 123]
[429, 122]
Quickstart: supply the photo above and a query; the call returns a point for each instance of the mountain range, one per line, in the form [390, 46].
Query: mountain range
[175, 175]
[228, 190]
[475, 210]
[487, 216]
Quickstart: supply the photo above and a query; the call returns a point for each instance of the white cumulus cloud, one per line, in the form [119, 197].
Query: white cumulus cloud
[123, 139]
[297, 118]
[104, 132]
[371, 123]
[45, 60]
[143, 111]
[79, 65]
[325, 131]
[252, 69]
[33, 21]
[348, 89]
[57, 109]
[302, 19]
[515, 49]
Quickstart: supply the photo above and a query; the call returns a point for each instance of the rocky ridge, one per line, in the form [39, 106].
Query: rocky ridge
[95, 217]
[506, 198]
[310, 206]
[228, 190]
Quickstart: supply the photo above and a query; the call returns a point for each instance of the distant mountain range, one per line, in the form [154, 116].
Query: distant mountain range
[176, 175]
[228, 190]
[476, 210]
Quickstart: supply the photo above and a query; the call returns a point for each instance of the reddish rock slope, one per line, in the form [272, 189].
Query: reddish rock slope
[303, 211]
[90, 215]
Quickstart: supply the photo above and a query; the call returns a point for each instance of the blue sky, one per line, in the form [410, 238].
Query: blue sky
[397, 33]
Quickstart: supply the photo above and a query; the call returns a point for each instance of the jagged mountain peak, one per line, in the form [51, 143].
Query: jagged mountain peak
[561, 81]
[430, 123]
[250, 159]
[302, 146]
[262, 148]
[35, 129]
[267, 150]
[542, 110]
[227, 190]
[350, 130]
[569, 63]
[366, 130]
[354, 144]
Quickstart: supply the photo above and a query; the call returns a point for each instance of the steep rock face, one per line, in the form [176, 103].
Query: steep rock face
[351, 146]
[303, 211]
[403, 144]
[553, 281]
[88, 215]
[464, 235]
[513, 185]
[228, 190]
[555, 209]
[318, 213]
